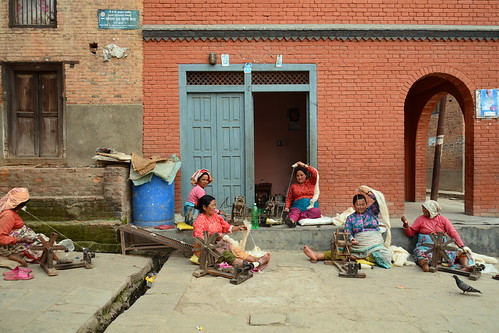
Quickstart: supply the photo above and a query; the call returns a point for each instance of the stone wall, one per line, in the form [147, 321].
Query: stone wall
[72, 194]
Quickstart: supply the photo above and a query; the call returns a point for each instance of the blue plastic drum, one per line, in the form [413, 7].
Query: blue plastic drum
[153, 203]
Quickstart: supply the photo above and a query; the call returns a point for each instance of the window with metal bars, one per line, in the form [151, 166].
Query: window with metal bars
[32, 13]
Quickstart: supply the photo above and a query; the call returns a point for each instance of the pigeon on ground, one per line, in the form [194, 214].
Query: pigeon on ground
[464, 287]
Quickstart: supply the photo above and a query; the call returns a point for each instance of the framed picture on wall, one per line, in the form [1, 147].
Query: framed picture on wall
[487, 103]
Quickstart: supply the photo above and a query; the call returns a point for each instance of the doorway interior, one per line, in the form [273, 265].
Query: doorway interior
[280, 138]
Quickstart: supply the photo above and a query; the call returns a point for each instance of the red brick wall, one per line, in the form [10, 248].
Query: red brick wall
[361, 88]
[484, 12]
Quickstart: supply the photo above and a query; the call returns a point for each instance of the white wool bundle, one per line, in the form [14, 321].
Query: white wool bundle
[256, 252]
[247, 224]
[317, 191]
[400, 256]
[340, 219]
[230, 240]
[385, 215]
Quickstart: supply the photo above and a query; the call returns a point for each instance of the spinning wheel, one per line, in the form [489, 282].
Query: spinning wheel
[274, 211]
[47, 259]
[438, 248]
[340, 246]
[209, 255]
[238, 210]
[208, 261]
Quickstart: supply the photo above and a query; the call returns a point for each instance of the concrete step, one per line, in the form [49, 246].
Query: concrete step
[481, 239]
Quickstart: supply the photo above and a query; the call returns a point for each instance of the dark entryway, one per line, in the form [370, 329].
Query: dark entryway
[280, 136]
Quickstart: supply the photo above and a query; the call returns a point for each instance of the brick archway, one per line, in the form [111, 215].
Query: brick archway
[421, 99]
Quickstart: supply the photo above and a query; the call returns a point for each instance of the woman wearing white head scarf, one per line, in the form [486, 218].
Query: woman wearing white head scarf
[432, 222]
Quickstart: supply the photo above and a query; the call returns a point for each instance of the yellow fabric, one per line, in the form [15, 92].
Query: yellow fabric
[194, 259]
[184, 226]
[362, 261]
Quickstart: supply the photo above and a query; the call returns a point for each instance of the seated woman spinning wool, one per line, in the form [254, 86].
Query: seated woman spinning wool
[432, 222]
[365, 235]
[301, 201]
[208, 220]
[16, 238]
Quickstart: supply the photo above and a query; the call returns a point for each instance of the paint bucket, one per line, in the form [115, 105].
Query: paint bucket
[153, 203]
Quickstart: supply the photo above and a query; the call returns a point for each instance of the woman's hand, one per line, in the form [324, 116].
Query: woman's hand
[239, 228]
[354, 241]
[404, 221]
[286, 210]
[26, 240]
[364, 189]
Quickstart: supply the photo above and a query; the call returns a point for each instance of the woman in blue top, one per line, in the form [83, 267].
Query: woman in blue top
[365, 235]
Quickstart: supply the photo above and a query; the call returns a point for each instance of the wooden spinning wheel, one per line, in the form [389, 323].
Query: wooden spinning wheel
[239, 210]
[209, 257]
[209, 254]
[440, 244]
[47, 259]
[341, 244]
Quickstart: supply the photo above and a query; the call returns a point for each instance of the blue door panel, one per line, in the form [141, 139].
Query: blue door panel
[214, 139]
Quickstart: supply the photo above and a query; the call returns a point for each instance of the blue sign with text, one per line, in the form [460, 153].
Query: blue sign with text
[118, 19]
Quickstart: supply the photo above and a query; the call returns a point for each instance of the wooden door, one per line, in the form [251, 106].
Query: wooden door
[35, 115]
[214, 139]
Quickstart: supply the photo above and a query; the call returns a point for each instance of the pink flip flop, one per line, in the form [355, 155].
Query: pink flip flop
[164, 227]
[19, 276]
[16, 270]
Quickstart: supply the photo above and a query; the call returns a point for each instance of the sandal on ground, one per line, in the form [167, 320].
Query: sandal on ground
[16, 270]
[164, 227]
[290, 223]
[313, 261]
[496, 277]
[19, 276]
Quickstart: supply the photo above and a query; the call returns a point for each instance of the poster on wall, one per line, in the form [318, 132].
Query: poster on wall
[487, 103]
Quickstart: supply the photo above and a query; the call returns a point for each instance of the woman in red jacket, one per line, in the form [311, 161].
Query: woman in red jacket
[15, 237]
[300, 195]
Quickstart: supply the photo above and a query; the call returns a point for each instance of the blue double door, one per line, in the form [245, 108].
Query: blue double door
[213, 137]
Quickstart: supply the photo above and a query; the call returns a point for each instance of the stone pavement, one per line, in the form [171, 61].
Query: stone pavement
[291, 295]
[72, 300]
[294, 295]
